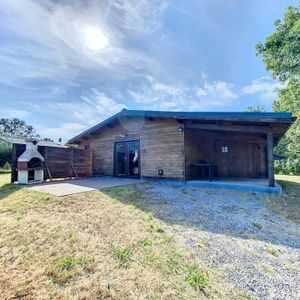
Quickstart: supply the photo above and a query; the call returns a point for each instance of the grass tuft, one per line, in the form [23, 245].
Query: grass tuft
[248, 296]
[196, 278]
[66, 268]
[123, 254]
[272, 251]
[172, 262]
[146, 242]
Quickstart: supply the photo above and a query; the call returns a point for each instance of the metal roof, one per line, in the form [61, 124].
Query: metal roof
[22, 141]
[268, 117]
[192, 115]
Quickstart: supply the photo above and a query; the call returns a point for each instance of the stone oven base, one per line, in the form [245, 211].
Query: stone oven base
[23, 176]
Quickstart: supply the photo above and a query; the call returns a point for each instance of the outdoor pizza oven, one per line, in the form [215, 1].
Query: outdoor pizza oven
[30, 165]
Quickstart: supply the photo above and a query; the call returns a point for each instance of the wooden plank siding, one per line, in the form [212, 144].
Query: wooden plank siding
[246, 155]
[58, 160]
[161, 146]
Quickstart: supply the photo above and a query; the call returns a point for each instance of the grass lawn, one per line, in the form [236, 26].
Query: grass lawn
[4, 171]
[94, 246]
[287, 204]
[4, 179]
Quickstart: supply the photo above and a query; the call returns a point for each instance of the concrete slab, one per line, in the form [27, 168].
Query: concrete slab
[241, 184]
[75, 186]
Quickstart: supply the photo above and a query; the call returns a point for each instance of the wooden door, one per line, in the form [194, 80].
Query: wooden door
[236, 159]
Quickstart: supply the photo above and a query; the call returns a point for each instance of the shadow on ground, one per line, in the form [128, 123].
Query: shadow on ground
[7, 189]
[230, 213]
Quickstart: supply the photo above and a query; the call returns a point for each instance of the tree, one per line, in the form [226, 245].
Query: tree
[13, 128]
[281, 55]
[16, 128]
[255, 108]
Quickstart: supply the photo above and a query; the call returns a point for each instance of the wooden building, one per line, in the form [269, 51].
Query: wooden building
[158, 144]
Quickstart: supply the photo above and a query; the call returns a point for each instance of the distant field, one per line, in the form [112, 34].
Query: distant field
[287, 204]
[4, 171]
[295, 179]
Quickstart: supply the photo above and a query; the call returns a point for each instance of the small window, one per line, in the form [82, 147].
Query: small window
[224, 149]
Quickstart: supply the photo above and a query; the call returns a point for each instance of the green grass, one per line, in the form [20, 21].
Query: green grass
[248, 296]
[288, 203]
[97, 245]
[196, 278]
[272, 251]
[68, 267]
[4, 179]
[17, 200]
[123, 254]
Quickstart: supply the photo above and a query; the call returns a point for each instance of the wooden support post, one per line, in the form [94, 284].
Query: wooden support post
[14, 173]
[72, 165]
[270, 159]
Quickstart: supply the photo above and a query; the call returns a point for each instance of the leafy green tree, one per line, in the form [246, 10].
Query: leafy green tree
[281, 55]
[13, 128]
[255, 108]
[5, 152]
[16, 128]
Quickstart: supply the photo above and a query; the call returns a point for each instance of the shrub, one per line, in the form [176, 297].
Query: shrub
[287, 167]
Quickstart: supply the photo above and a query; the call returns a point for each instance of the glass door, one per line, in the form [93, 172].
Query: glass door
[127, 159]
[120, 159]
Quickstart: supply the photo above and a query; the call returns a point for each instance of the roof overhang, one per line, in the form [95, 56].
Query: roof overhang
[262, 118]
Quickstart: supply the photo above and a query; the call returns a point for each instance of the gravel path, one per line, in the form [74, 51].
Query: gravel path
[234, 232]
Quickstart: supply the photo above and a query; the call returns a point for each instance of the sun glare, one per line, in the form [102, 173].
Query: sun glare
[94, 38]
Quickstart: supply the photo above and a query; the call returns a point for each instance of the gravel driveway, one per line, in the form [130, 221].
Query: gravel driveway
[234, 232]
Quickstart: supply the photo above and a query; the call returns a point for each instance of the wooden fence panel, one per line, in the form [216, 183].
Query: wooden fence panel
[61, 162]
[18, 149]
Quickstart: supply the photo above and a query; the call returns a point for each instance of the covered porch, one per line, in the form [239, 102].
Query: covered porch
[237, 154]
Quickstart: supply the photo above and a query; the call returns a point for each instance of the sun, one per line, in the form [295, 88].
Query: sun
[94, 38]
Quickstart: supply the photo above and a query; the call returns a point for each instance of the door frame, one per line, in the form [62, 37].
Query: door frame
[126, 151]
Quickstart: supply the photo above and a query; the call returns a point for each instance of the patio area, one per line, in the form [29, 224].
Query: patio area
[75, 186]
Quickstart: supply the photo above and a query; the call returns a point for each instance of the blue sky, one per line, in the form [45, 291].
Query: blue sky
[67, 65]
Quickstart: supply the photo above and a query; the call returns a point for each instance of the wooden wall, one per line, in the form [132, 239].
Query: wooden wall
[162, 146]
[246, 155]
[61, 161]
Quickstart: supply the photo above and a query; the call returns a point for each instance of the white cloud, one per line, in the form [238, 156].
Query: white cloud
[64, 131]
[99, 105]
[142, 15]
[49, 41]
[13, 113]
[264, 87]
[207, 96]
[74, 116]
[217, 89]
